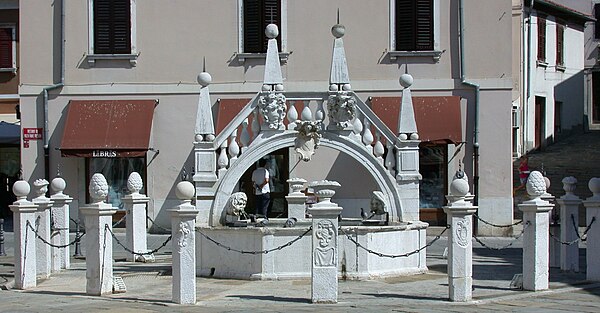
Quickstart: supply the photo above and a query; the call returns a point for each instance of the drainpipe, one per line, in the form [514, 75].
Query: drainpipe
[527, 70]
[476, 88]
[45, 91]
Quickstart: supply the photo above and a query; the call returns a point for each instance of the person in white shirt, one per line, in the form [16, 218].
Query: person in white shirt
[262, 191]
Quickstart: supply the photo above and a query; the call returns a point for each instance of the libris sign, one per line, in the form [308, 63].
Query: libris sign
[104, 154]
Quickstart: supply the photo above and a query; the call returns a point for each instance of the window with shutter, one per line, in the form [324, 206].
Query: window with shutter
[112, 26]
[257, 14]
[541, 53]
[6, 47]
[414, 25]
[560, 44]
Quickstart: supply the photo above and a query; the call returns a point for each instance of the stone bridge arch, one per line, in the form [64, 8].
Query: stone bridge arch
[268, 142]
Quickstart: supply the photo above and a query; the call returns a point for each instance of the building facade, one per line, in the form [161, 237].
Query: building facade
[115, 89]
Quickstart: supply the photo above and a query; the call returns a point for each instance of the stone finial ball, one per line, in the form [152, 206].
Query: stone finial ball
[536, 184]
[594, 185]
[279, 87]
[403, 136]
[58, 185]
[406, 80]
[333, 87]
[209, 137]
[204, 79]
[459, 187]
[185, 190]
[134, 182]
[21, 188]
[266, 87]
[198, 138]
[338, 30]
[414, 136]
[271, 31]
[346, 87]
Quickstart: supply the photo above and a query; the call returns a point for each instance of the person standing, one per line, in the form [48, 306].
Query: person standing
[262, 191]
[523, 172]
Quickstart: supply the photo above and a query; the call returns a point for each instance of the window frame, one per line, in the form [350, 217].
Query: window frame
[243, 56]
[435, 53]
[13, 29]
[92, 56]
[542, 36]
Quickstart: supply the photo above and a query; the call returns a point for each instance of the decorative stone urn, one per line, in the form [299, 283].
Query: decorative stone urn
[297, 185]
[324, 190]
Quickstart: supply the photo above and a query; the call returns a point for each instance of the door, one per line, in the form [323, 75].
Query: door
[540, 121]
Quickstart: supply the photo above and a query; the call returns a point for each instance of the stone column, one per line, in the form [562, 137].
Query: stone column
[592, 211]
[183, 227]
[325, 214]
[42, 224]
[536, 218]
[25, 242]
[61, 258]
[98, 239]
[135, 221]
[569, 206]
[460, 248]
[296, 200]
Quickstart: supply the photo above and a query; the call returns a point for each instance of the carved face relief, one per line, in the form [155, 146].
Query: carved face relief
[273, 108]
[237, 204]
[341, 110]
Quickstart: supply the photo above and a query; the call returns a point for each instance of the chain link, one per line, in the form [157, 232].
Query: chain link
[139, 253]
[527, 224]
[35, 231]
[393, 256]
[579, 238]
[253, 252]
[497, 225]
[158, 226]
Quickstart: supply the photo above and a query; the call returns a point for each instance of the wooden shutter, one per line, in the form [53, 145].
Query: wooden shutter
[257, 15]
[6, 47]
[560, 44]
[541, 55]
[112, 26]
[414, 25]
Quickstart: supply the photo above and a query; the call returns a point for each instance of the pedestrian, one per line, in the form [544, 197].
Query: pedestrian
[523, 172]
[262, 191]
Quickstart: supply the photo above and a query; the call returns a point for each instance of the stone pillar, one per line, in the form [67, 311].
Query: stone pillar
[25, 242]
[554, 230]
[42, 224]
[460, 248]
[98, 239]
[536, 219]
[569, 206]
[61, 258]
[324, 283]
[592, 211]
[183, 227]
[205, 178]
[296, 200]
[135, 221]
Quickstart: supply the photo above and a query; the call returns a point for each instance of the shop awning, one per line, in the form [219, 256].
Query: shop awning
[10, 134]
[228, 109]
[438, 118]
[107, 128]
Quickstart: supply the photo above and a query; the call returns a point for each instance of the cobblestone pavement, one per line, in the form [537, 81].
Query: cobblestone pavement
[149, 288]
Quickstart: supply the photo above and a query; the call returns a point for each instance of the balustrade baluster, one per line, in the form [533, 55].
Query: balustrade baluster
[378, 150]
[292, 115]
[358, 128]
[234, 148]
[306, 113]
[223, 160]
[390, 160]
[367, 137]
[255, 125]
[320, 114]
[245, 136]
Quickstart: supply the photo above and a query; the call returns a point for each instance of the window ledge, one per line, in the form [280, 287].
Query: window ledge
[242, 57]
[91, 58]
[560, 67]
[435, 54]
[8, 69]
[541, 63]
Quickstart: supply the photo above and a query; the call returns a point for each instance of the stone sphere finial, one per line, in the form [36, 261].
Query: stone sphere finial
[536, 184]
[406, 80]
[58, 185]
[459, 186]
[185, 190]
[98, 188]
[21, 189]
[204, 79]
[594, 186]
[272, 31]
[41, 187]
[338, 30]
[135, 183]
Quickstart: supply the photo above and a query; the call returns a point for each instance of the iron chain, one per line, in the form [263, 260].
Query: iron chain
[508, 245]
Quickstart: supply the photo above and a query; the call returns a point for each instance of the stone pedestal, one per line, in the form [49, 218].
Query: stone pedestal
[183, 227]
[135, 210]
[42, 224]
[460, 250]
[60, 236]
[296, 205]
[592, 211]
[569, 254]
[536, 212]
[324, 283]
[98, 247]
[25, 241]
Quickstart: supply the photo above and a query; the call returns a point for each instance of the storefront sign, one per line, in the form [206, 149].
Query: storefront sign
[104, 154]
[32, 133]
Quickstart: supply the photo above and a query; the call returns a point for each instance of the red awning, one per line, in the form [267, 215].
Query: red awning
[438, 118]
[107, 128]
[228, 109]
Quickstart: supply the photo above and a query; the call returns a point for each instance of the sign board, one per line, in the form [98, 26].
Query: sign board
[32, 133]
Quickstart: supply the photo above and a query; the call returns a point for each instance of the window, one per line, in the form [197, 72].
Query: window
[8, 49]
[541, 53]
[560, 45]
[597, 22]
[116, 171]
[415, 28]
[255, 15]
[112, 30]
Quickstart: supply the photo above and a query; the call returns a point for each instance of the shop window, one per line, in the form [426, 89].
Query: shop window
[433, 168]
[116, 171]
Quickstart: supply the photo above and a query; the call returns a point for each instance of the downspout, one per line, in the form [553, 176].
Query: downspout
[476, 87]
[45, 91]
[527, 63]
